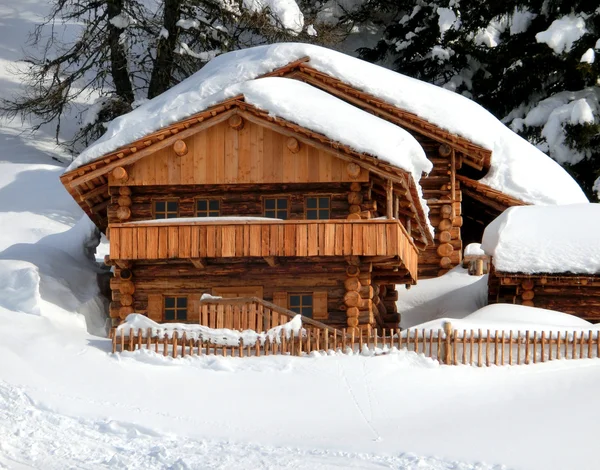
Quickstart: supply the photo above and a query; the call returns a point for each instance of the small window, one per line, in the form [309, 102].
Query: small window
[317, 207]
[302, 304]
[276, 207]
[208, 208]
[175, 308]
[166, 209]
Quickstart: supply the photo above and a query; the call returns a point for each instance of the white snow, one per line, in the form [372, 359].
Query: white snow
[447, 19]
[455, 294]
[521, 20]
[184, 49]
[311, 31]
[596, 187]
[550, 239]
[588, 56]
[473, 249]
[515, 318]
[553, 113]
[518, 168]
[135, 323]
[284, 12]
[122, 21]
[563, 33]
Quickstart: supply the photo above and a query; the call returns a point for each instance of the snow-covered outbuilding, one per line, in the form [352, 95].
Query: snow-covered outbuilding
[548, 257]
[297, 120]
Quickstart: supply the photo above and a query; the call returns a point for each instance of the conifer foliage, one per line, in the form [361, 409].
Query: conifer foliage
[535, 64]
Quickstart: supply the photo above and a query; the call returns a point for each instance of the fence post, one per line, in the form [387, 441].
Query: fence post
[448, 343]
[113, 334]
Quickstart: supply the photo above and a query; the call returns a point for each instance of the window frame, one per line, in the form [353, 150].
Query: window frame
[317, 196]
[301, 294]
[208, 200]
[175, 308]
[276, 197]
[165, 200]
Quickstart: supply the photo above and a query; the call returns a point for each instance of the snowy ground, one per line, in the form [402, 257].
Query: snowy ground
[65, 402]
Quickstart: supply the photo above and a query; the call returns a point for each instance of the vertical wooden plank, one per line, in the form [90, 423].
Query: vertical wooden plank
[329, 241]
[527, 347]
[543, 345]
[163, 242]
[185, 238]
[518, 347]
[464, 346]
[472, 347]
[574, 346]
[211, 242]
[510, 348]
[290, 239]
[348, 232]
[558, 346]
[357, 239]
[151, 242]
[479, 347]
[228, 241]
[173, 243]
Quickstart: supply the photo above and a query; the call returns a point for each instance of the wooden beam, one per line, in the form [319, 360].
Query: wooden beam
[99, 191]
[389, 191]
[271, 260]
[199, 263]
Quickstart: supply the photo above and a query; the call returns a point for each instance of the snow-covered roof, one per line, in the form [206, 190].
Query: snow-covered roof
[517, 168]
[545, 239]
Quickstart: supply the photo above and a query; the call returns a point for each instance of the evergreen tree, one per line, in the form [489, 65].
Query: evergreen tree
[124, 51]
[532, 63]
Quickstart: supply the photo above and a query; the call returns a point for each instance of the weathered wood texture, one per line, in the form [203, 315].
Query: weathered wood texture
[325, 280]
[577, 295]
[234, 200]
[230, 239]
[448, 346]
[253, 154]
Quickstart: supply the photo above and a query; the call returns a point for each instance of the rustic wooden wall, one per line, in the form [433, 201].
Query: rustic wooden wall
[301, 275]
[236, 200]
[253, 154]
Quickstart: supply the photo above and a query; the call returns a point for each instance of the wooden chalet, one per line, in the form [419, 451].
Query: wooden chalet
[291, 217]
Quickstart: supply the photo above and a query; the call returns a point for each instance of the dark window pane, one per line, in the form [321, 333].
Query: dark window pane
[282, 214]
[172, 206]
[311, 202]
[323, 202]
[201, 205]
[171, 215]
[269, 203]
[282, 203]
[294, 300]
[324, 214]
[311, 214]
[159, 215]
[181, 302]
[307, 312]
[213, 205]
[169, 314]
[169, 302]
[307, 300]
[270, 214]
[181, 314]
[295, 309]
[159, 206]
[213, 214]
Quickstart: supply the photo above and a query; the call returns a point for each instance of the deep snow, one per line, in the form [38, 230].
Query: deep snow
[66, 402]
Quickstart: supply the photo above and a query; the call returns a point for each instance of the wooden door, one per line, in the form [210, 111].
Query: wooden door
[230, 292]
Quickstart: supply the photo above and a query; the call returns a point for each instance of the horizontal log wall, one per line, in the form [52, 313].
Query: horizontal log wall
[182, 278]
[235, 200]
[579, 296]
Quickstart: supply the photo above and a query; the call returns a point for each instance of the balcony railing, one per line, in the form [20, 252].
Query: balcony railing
[172, 239]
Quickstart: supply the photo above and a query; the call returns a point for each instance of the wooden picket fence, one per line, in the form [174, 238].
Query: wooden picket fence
[449, 346]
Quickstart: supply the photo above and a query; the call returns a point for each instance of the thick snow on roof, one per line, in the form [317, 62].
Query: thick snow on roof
[518, 168]
[546, 239]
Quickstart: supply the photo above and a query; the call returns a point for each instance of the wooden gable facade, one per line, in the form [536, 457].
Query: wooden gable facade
[234, 202]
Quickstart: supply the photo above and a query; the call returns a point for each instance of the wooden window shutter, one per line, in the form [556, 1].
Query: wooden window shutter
[320, 305]
[155, 307]
[193, 313]
[280, 299]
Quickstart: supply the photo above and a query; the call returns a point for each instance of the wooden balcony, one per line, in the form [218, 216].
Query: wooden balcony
[175, 239]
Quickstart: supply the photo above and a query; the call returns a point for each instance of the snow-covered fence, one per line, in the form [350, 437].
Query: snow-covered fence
[449, 346]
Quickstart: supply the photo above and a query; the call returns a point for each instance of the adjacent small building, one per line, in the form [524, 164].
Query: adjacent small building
[547, 257]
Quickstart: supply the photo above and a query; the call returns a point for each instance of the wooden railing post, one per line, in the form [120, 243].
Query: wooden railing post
[448, 343]
[113, 332]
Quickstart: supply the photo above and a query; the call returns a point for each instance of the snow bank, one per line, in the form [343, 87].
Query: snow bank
[518, 168]
[515, 318]
[455, 294]
[563, 33]
[552, 239]
[221, 336]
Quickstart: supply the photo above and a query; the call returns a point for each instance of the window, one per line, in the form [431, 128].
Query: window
[166, 209]
[175, 308]
[302, 304]
[208, 208]
[276, 207]
[317, 207]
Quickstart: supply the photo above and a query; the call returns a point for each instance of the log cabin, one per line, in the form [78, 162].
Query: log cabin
[203, 149]
[538, 262]
[237, 201]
